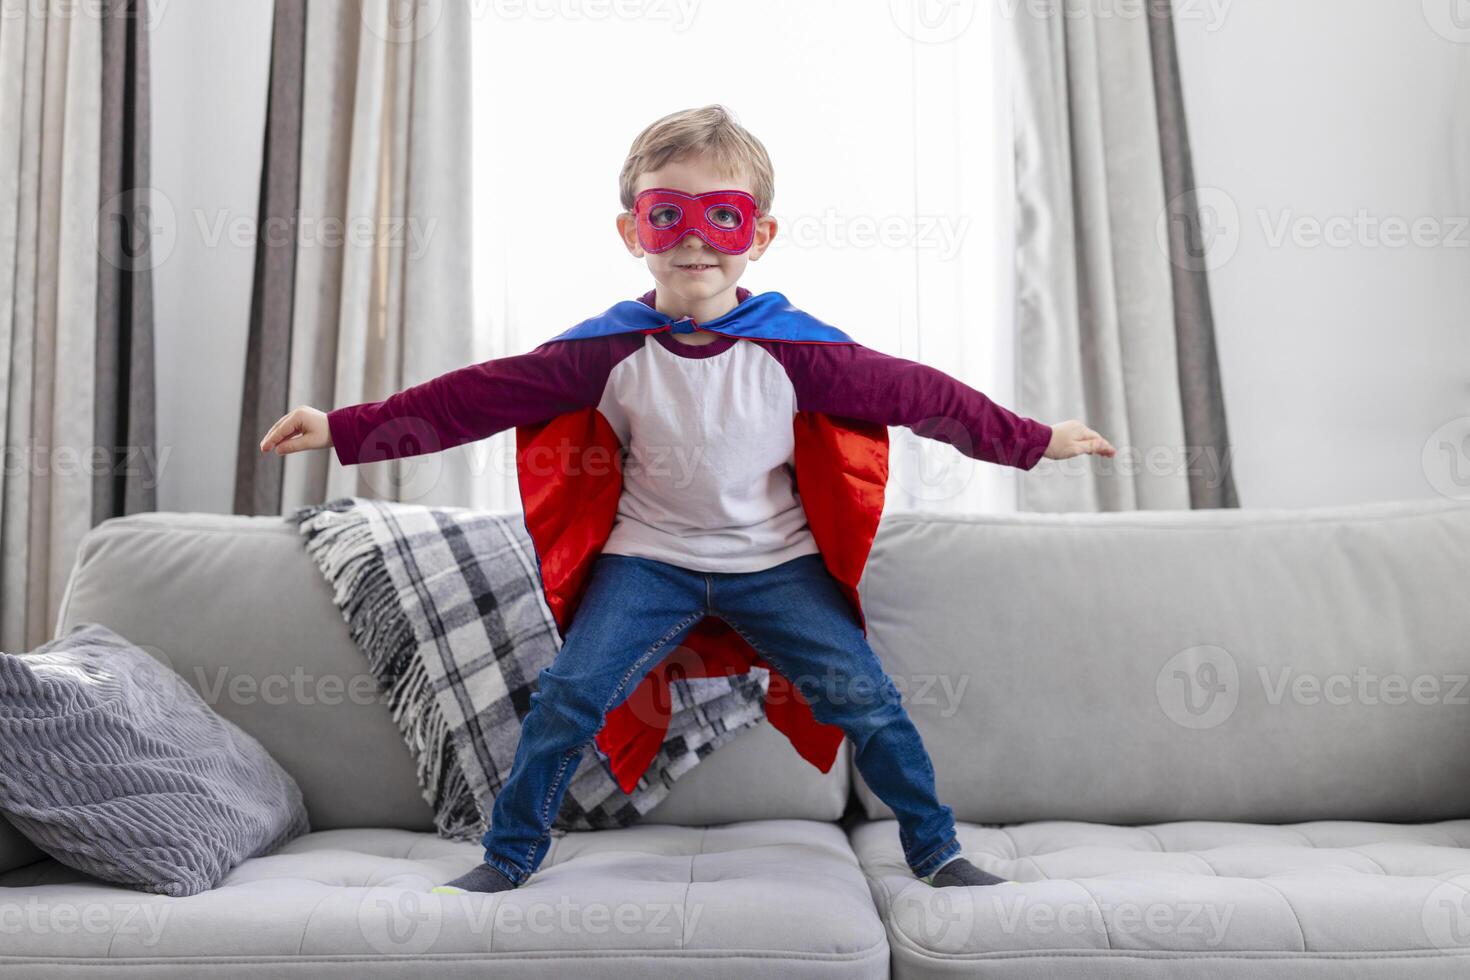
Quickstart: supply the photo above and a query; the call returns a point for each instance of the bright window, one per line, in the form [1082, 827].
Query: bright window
[881, 122]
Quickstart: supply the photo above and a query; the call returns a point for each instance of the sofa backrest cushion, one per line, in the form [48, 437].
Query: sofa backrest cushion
[1266, 665]
[238, 608]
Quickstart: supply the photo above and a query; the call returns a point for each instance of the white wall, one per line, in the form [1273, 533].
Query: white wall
[210, 64]
[1339, 362]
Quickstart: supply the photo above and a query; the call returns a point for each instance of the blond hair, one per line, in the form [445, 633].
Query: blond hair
[711, 129]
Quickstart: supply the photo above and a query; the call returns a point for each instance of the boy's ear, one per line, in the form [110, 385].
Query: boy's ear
[765, 231]
[628, 231]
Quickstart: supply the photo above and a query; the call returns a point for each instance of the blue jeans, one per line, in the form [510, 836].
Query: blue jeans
[635, 611]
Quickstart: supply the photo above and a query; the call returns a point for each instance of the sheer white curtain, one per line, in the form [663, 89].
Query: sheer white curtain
[881, 124]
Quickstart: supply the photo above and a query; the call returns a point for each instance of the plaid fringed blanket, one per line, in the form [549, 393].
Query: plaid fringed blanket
[446, 605]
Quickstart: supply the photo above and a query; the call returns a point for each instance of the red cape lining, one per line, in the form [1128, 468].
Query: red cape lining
[570, 479]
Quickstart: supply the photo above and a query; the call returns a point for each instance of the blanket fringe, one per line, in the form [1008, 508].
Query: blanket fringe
[339, 539]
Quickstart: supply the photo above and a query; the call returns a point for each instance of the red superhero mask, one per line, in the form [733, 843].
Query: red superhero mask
[724, 219]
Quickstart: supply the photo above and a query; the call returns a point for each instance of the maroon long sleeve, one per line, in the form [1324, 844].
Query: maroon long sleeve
[849, 380]
[858, 382]
[479, 400]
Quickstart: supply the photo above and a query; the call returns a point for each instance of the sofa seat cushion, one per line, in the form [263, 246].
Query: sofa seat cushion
[782, 897]
[1189, 899]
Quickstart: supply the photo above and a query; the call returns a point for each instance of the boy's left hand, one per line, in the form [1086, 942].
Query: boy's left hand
[1073, 438]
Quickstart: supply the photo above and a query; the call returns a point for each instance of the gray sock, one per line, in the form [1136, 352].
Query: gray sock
[959, 871]
[481, 879]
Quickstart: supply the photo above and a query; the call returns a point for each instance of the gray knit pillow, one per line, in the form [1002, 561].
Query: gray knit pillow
[115, 767]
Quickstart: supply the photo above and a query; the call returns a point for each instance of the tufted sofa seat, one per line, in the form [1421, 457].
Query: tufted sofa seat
[1187, 899]
[647, 901]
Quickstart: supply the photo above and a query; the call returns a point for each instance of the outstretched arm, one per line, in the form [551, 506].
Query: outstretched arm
[857, 382]
[473, 402]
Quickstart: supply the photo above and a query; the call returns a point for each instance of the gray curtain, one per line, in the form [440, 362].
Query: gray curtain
[76, 358]
[124, 416]
[368, 163]
[1113, 317]
[272, 298]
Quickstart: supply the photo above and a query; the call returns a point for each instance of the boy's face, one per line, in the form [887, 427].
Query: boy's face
[692, 271]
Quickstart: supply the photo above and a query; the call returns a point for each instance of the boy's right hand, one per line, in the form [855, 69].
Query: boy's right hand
[1073, 438]
[301, 428]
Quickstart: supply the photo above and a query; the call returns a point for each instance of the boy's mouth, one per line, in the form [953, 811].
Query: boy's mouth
[694, 266]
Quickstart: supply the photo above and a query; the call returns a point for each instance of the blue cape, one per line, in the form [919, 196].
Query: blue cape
[763, 316]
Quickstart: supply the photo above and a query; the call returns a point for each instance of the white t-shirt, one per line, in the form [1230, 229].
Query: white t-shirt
[708, 472]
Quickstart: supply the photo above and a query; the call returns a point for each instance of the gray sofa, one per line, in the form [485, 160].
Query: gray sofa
[1212, 744]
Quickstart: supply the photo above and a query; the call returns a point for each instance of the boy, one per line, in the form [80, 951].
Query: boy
[726, 535]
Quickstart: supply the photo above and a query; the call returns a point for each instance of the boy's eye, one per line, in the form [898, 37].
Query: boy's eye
[663, 215]
[723, 216]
